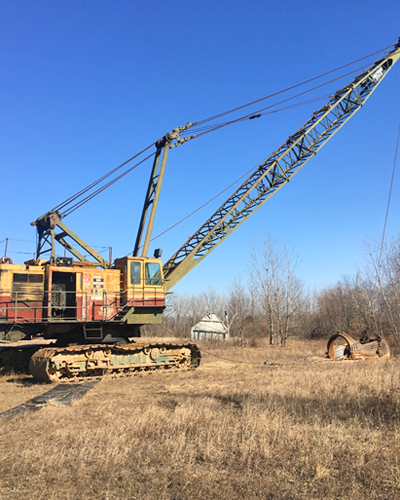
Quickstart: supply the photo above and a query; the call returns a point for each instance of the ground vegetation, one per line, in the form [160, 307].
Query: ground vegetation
[228, 430]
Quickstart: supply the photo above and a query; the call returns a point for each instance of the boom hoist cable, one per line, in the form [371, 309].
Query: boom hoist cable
[389, 199]
[277, 170]
[158, 172]
[196, 128]
[292, 87]
[47, 224]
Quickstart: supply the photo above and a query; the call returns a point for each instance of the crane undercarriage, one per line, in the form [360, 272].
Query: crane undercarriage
[67, 364]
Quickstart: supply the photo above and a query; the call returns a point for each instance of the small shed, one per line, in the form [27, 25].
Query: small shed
[210, 327]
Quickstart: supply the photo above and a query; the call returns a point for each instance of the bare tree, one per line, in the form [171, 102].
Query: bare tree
[370, 298]
[280, 293]
[184, 311]
[178, 315]
[239, 311]
[384, 264]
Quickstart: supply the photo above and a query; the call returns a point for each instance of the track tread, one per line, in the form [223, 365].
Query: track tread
[44, 369]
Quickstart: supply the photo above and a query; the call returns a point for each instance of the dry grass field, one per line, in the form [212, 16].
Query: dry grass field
[225, 431]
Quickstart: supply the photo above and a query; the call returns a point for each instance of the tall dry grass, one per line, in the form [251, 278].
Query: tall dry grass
[226, 431]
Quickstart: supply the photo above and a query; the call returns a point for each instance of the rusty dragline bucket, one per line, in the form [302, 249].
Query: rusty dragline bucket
[343, 346]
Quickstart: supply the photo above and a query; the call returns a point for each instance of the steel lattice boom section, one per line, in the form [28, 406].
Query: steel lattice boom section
[278, 169]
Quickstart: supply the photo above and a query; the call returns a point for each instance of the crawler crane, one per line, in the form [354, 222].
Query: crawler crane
[93, 307]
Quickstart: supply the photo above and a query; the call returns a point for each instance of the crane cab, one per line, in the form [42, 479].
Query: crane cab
[142, 286]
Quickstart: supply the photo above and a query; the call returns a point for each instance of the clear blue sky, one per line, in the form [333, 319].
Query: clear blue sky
[87, 84]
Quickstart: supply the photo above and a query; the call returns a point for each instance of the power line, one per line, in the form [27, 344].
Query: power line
[15, 239]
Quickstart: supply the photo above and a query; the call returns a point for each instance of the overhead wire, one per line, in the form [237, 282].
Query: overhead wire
[15, 239]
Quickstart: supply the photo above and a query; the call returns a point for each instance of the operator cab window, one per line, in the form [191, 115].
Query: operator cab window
[153, 274]
[135, 273]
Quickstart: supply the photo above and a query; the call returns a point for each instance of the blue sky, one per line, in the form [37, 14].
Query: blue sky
[87, 84]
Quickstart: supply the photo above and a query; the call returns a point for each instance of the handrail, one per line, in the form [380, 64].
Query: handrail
[40, 306]
[20, 308]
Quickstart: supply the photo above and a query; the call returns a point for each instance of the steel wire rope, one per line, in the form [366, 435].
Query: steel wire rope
[378, 264]
[207, 352]
[101, 179]
[290, 88]
[212, 128]
[98, 191]
[389, 199]
[250, 115]
[110, 183]
[266, 363]
[202, 206]
[246, 117]
[74, 197]
[377, 277]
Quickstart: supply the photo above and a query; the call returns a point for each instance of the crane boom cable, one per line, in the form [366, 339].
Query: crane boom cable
[211, 129]
[199, 208]
[248, 172]
[292, 87]
[110, 183]
[233, 183]
[277, 170]
[202, 131]
[225, 189]
[389, 199]
[247, 116]
[98, 181]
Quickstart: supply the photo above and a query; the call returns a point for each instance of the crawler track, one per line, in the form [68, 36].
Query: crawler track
[16, 357]
[79, 362]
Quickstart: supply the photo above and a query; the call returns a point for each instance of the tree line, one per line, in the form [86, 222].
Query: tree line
[276, 304]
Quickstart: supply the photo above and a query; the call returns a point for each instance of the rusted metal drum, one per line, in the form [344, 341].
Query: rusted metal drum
[343, 346]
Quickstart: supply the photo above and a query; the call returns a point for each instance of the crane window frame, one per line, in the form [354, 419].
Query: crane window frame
[136, 273]
[153, 274]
